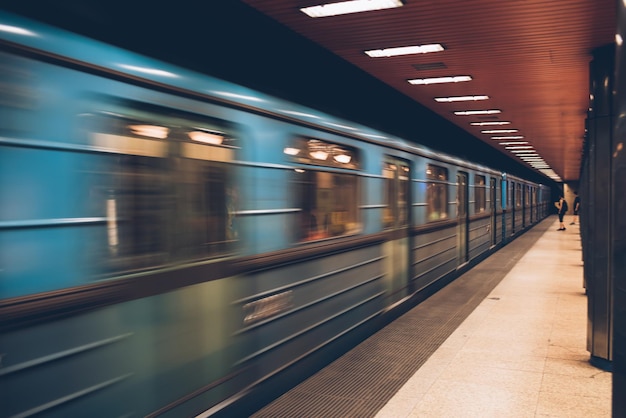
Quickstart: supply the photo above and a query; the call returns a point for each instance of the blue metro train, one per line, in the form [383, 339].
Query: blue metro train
[176, 245]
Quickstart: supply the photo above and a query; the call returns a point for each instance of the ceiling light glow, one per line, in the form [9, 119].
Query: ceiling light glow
[492, 123]
[499, 131]
[497, 138]
[346, 7]
[460, 99]
[440, 80]
[405, 50]
[477, 112]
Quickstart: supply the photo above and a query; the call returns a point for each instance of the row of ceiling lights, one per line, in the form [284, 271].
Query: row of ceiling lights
[522, 149]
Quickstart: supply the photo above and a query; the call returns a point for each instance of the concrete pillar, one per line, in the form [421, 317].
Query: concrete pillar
[618, 222]
[596, 213]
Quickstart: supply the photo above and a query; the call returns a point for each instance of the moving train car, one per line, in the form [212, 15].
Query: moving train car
[175, 245]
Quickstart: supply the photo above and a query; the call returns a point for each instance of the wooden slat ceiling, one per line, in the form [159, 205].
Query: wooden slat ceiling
[531, 57]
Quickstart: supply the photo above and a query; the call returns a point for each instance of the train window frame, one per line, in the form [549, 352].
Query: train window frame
[324, 213]
[319, 152]
[436, 193]
[194, 188]
[396, 175]
[480, 193]
[518, 196]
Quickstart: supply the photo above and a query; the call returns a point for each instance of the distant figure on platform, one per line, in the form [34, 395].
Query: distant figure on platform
[562, 207]
[576, 209]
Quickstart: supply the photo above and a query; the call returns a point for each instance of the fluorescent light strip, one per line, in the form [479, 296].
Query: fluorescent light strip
[404, 50]
[477, 112]
[347, 7]
[514, 143]
[519, 147]
[460, 99]
[497, 138]
[522, 151]
[493, 123]
[439, 80]
[499, 131]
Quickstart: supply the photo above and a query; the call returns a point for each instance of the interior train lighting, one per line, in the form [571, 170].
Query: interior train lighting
[151, 131]
[477, 112]
[491, 123]
[291, 151]
[405, 50]
[499, 138]
[514, 143]
[342, 158]
[499, 131]
[207, 137]
[347, 7]
[319, 155]
[440, 80]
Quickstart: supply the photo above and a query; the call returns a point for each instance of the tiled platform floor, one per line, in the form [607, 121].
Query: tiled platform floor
[522, 352]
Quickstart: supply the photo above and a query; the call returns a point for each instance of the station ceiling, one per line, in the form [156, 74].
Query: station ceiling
[530, 57]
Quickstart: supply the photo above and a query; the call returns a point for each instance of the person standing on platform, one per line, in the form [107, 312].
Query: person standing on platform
[576, 208]
[562, 207]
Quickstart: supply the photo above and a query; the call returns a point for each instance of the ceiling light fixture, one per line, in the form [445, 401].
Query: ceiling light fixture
[347, 7]
[460, 99]
[405, 50]
[514, 143]
[477, 112]
[499, 131]
[497, 138]
[492, 123]
[439, 80]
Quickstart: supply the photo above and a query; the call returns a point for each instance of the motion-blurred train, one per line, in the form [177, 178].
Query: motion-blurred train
[175, 245]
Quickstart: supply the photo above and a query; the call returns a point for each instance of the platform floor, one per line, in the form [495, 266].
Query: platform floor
[506, 339]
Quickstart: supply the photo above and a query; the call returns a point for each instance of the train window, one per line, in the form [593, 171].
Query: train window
[437, 192]
[165, 185]
[323, 153]
[480, 195]
[328, 203]
[518, 195]
[396, 193]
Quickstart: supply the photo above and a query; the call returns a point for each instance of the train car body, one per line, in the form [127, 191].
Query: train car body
[176, 245]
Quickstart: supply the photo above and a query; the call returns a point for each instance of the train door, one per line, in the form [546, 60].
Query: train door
[462, 201]
[494, 226]
[512, 206]
[397, 176]
[523, 196]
